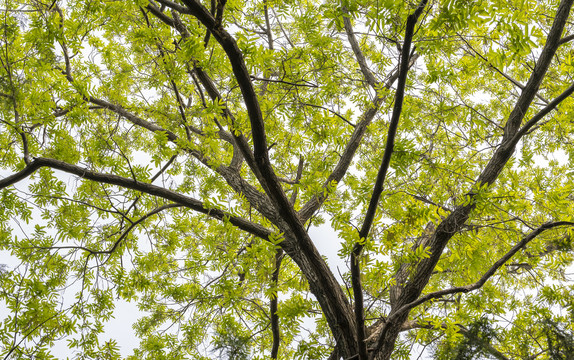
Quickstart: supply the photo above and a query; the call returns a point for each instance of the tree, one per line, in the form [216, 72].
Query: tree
[175, 154]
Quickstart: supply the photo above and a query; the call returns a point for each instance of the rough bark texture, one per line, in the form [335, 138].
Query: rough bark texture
[353, 340]
[455, 221]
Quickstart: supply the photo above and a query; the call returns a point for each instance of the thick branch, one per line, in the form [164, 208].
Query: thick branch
[174, 6]
[263, 169]
[150, 189]
[237, 140]
[20, 175]
[243, 79]
[566, 39]
[262, 166]
[531, 87]
[456, 220]
[322, 282]
[255, 198]
[273, 305]
[157, 13]
[378, 188]
[367, 73]
[394, 123]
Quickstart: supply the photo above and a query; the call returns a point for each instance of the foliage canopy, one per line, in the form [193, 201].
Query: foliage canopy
[176, 155]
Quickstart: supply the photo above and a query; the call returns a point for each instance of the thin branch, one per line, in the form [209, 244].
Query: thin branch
[164, 168]
[208, 33]
[331, 111]
[175, 89]
[551, 106]
[427, 201]
[487, 275]
[566, 39]
[29, 333]
[297, 179]
[506, 76]
[135, 223]
[305, 84]
[83, 203]
[282, 29]
[17, 126]
[111, 250]
[485, 344]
